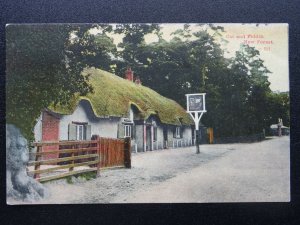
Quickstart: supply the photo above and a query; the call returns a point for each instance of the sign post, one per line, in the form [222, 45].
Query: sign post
[280, 124]
[196, 107]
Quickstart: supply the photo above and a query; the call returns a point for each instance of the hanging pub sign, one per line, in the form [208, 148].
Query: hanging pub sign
[196, 106]
[196, 102]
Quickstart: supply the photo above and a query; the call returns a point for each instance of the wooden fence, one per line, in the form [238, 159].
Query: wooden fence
[77, 157]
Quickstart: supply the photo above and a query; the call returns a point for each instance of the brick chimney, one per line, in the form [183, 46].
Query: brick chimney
[138, 80]
[129, 74]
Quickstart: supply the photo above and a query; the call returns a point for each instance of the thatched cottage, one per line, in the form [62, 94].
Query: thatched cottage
[118, 108]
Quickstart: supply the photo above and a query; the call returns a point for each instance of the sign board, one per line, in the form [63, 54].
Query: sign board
[196, 102]
[196, 106]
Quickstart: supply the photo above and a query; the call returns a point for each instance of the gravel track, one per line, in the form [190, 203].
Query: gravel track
[220, 173]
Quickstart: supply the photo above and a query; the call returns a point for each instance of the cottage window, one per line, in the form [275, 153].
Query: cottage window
[79, 131]
[178, 132]
[127, 131]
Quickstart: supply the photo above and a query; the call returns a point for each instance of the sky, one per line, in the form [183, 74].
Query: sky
[270, 39]
[272, 42]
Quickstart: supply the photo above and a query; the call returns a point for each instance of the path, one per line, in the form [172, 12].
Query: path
[252, 173]
[220, 173]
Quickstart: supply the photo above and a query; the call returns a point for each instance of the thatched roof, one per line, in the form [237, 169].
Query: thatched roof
[113, 96]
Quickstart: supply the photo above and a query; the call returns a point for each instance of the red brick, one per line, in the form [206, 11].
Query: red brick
[50, 132]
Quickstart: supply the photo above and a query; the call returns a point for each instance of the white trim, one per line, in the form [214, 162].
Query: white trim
[80, 134]
[197, 114]
[126, 120]
[196, 118]
[127, 130]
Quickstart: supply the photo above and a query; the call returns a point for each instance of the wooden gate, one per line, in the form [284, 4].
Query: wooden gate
[77, 157]
[112, 152]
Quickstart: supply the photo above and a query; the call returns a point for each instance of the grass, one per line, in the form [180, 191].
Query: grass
[87, 176]
[113, 96]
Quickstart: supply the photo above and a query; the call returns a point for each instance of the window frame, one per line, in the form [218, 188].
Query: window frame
[127, 130]
[80, 133]
[83, 135]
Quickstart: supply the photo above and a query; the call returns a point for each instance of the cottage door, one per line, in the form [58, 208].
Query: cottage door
[165, 131]
[148, 138]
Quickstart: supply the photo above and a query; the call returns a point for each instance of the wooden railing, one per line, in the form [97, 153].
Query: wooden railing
[77, 157]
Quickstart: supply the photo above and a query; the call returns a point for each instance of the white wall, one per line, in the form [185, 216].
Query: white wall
[38, 129]
[160, 139]
[106, 127]
[186, 136]
[139, 137]
[170, 133]
[102, 127]
[187, 133]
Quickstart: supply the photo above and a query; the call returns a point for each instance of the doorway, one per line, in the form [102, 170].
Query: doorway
[165, 133]
[148, 138]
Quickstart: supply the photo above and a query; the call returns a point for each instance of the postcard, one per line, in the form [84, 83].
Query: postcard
[147, 113]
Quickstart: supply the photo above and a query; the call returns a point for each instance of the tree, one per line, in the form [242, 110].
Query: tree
[237, 88]
[258, 90]
[93, 50]
[133, 40]
[278, 106]
[44, 65]
[179, 66]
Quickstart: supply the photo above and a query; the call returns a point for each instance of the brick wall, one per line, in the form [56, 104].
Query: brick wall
[50, 132]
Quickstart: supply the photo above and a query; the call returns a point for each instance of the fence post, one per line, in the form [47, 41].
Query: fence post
[37, 157]
[73, 161]
[127, 152]
[98, 152]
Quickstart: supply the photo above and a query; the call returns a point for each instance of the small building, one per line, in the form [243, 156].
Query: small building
[274, 128]
[118, 108]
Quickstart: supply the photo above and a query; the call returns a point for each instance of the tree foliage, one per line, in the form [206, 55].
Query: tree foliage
[238, 92]
[44, 65]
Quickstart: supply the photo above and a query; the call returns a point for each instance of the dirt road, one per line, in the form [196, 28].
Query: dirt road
[257, 172]
[251, 173]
